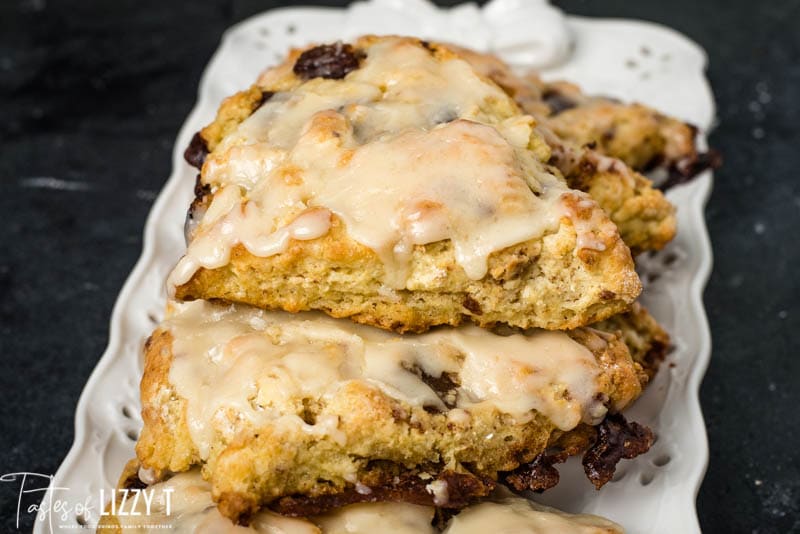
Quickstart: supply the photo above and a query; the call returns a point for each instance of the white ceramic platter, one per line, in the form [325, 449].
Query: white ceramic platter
[628, 59]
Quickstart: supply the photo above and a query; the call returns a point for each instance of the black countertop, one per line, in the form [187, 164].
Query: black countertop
[92, 94]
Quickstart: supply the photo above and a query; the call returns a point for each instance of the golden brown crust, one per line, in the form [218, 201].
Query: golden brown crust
[646, 340]
[176, 453]
[384, 436]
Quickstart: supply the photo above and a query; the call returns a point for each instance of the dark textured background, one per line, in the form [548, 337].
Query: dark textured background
[93, 92]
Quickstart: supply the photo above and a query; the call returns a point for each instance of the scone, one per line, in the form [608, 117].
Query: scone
[183, 503]
[638, 135]
[646, 340]
[303, 413]
[642, 137]
[389, 182]
[645, 218]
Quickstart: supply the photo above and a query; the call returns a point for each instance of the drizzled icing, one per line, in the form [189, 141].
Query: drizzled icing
[183, 505]
[239, 366]
[506, 513]
[372, 518]
[404, 151]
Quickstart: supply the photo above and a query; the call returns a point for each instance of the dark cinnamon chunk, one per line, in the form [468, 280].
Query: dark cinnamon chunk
[327, 61]
[195, 154]
[198, 207]
[266, 95]
[687, 168]
[442, 517]
[538, 475]
[201, 190]
[238, 508]
[443, 385]
[133, 482]
[557, 101]
[654, 357]
[472, 305]
[616, 439]
[427, 46]
[461, 490]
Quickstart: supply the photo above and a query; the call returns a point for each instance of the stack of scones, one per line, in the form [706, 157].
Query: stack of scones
[408, 294]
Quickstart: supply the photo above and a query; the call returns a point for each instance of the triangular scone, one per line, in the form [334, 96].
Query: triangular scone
[302, 412]
[390, 183]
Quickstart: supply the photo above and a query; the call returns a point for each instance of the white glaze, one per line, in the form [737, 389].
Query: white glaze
[237, 364]
[374, 518]
[512, 515]
[404, 150]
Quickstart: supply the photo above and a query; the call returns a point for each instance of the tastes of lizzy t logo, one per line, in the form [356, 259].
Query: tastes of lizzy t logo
[54, 508]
